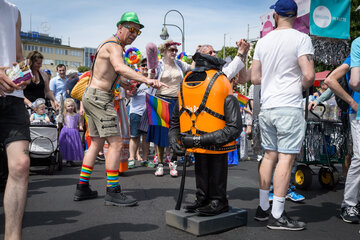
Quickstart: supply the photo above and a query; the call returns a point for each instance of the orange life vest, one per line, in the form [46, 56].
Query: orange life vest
[201, 108]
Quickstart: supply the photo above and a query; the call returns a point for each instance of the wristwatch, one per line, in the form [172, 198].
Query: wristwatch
[241, 56]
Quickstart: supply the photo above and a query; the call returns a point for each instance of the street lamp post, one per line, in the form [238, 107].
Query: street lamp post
[164, 33]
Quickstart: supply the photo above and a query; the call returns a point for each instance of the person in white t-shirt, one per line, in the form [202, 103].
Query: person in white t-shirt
[283, 65]
[14, 122]
[137, 110]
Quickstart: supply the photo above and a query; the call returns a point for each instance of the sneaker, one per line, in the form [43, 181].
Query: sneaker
[114, 197]
[295, 197]
[131, 164]
[350, 214]
[100, 157]
[262, 215]
[285, 223]
[144, 163]
[83, 192]
[182, 159]
[271, 196]
[168, 159]
[151, 164]
[173, 171]
[192, 158]
[160, 170]
[156, 160]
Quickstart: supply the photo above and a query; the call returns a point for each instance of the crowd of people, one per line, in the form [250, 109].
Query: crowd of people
[283, 65]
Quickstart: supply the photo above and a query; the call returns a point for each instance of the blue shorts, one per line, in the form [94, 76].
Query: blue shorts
[282, 129]
[134, 125]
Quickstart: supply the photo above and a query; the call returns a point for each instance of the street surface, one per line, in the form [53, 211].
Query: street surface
[52, 214]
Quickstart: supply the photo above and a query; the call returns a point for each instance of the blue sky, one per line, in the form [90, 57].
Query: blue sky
[88, 22]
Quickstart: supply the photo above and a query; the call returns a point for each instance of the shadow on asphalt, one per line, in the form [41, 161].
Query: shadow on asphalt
[107, 231]
[32, 219]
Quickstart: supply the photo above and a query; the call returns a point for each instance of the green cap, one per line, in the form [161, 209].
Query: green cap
[129, 17]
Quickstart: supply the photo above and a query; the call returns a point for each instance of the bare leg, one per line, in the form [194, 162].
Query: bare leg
[266, 169]
[133, 146]
[346, 165]
[145, 147]
[282, 174]
[160, 152]
[138, 156]
[96, 146]
[113, 156]
[16, 188]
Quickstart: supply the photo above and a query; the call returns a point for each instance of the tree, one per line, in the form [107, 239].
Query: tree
[354, 20]
[82, 69]
[229, 51]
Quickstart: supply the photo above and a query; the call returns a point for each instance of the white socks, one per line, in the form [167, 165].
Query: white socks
[278, 206]
[264, 199]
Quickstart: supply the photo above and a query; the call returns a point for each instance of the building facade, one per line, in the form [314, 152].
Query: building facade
[53, 50]
[87, 56]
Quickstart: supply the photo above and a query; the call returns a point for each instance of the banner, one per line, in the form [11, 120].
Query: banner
[330, 18]
[267, 24]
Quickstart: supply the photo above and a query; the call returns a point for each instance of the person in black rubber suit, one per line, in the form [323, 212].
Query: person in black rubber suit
[210, 147]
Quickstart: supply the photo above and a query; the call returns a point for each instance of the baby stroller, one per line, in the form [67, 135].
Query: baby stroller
[44, 147]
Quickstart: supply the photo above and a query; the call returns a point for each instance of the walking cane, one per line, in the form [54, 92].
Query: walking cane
[182, 184]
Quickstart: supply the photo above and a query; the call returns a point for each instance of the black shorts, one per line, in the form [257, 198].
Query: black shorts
[14, 120]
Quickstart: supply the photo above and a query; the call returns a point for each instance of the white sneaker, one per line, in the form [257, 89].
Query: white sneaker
[156, 161]
[159, 170]
[173, 171]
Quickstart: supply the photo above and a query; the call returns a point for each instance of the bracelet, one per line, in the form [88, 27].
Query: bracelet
[241, 56]
[196, 140]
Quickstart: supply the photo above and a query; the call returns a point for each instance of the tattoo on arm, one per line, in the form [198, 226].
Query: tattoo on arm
[309, 58]
[26, 151]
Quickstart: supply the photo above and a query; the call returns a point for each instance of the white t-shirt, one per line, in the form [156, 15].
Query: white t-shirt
[278, 53]
[138, 101]
[8, 19]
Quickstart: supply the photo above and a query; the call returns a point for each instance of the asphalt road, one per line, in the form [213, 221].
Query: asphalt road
[51, 212]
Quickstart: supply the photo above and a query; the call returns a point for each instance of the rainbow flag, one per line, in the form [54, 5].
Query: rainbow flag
[241, 98]
[157, 111]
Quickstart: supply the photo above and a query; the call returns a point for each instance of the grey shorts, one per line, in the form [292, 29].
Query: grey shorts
[100, 112]
[282, 129]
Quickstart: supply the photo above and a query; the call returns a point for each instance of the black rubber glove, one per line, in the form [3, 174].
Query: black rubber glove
[177, 148]
[187, 140]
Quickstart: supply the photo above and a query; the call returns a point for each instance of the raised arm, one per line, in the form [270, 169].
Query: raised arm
[127, 72]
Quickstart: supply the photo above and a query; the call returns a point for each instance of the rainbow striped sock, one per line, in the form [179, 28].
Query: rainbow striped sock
[112, 178]
[85, 174]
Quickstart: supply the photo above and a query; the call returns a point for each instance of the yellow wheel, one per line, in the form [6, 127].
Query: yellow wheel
[303, 177]
[328, 177]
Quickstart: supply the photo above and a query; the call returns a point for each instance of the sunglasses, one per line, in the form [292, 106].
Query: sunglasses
[132, 29]
[173, 50]
[143, 65]
[211, 52]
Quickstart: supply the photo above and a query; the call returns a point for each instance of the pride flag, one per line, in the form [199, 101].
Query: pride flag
[157, 111]
[241, 98]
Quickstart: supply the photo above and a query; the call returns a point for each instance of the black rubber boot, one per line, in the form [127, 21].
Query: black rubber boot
[114, 197]
[83, 192]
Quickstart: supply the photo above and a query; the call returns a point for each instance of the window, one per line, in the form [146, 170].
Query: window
[46, 50]
[57, 62]
[48, 61]
[75, 53]
[74, 64]
[59, 51]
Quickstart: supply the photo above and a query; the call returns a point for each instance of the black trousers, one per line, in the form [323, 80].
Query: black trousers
[211, 177]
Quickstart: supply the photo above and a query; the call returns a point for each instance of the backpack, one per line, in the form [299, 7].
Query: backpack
[344, 106]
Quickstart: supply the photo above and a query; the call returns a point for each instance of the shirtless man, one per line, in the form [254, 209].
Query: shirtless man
[108, 68]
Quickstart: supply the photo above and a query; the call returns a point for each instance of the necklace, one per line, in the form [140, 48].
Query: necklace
[118, 41]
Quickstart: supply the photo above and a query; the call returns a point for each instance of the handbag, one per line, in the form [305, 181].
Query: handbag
[79, 88]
